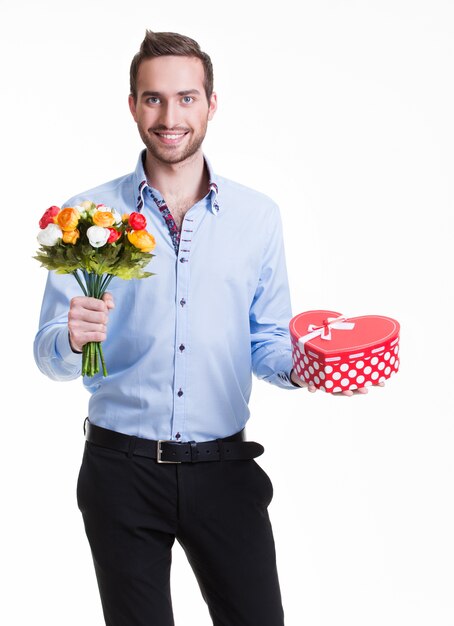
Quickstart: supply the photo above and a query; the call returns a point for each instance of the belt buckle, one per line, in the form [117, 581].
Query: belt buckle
[159, 451]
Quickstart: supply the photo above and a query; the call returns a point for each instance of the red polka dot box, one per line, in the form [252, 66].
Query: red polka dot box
[336, 354]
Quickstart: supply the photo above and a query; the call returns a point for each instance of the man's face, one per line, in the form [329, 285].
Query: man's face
[172, 110]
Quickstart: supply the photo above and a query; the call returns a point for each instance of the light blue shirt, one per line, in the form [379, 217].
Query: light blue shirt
[181, 345]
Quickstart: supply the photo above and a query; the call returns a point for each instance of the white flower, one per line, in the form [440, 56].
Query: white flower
[117, 217]
[97, 236]
[83, 213]
[50, 235]
[104, 208]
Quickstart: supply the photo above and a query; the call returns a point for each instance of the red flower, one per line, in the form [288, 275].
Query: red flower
[137, 221]
[48, 217]
[114, 235]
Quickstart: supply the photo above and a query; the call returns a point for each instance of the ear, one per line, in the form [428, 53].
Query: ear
[213, 105]
[132, 107]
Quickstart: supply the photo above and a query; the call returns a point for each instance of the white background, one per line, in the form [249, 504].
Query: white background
[341, 111]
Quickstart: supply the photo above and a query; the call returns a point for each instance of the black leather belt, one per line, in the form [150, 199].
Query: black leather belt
[232, 448]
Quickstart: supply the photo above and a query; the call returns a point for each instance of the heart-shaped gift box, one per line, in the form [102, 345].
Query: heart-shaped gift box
[335, 353]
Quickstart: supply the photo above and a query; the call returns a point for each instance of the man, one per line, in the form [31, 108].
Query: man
[180, 348]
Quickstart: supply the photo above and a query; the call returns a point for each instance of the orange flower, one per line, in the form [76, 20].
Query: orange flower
[68, 219]
[142, 240]
[103, 218]
[125, 217]
[71, 236]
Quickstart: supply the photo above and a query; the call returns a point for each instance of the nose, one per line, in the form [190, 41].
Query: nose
[169, 115]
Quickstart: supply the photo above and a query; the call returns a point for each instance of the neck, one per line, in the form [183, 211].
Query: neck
[186, 179]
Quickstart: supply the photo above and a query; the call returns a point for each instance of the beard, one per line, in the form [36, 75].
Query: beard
[172, 154]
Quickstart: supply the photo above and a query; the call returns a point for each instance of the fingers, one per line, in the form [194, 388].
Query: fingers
[87, 320]
[108, 299]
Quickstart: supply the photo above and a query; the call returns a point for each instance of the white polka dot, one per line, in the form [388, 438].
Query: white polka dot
[345, 382]
[396, 365]
[359, 365]
[329, 384]
[360, 379]
[374, 360]
[374, 375]
[337, 389]
[352, 373]
[381, 365]
[387, 370]
[387, 355]
[316, 365]
[311, 369]
[316, 380]
[381, 379]
[322, 375]
[298, 368]
[336, 375]
[322, 388]
[306, 374]
[392, 359]
[367, 370]
[298, 354]
[353, 387]
[344, 367]
[368, 383]
[305, 359]
[396, 350]
[328, 369]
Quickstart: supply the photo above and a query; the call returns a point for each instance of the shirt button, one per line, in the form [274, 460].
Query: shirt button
[183, 260]
[182, 347]
[182, 301]
[180, 393]
[177, 436]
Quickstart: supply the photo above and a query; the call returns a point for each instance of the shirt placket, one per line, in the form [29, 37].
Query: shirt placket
[190, 224]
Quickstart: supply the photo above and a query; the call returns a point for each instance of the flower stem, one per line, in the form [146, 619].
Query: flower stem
[95, 286]
[101, 356]
[77, 277]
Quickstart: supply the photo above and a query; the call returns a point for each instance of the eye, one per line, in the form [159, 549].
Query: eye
[153, 100]
[187, 99]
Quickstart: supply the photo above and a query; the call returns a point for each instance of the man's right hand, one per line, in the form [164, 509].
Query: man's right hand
[87, 320]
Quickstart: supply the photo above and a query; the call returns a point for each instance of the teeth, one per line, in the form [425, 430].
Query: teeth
[171, 136]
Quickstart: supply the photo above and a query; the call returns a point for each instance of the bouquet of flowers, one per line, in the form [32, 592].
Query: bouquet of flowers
[94, 243]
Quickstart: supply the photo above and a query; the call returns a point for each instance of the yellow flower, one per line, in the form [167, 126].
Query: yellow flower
[142, 240]
[68, 219]
[103, 218]
[125, 217]
[71, 236]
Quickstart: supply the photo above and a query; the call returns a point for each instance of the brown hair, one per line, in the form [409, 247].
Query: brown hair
[163, 44]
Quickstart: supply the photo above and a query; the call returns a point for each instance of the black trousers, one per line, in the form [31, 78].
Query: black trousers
[133, 510]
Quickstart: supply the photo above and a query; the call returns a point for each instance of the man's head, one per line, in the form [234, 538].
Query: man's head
[172, 96]
[173, 44]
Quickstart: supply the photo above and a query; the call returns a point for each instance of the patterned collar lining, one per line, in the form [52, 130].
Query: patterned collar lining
[213, 188]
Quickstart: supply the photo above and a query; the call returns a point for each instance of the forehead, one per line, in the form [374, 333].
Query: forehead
[170, 74]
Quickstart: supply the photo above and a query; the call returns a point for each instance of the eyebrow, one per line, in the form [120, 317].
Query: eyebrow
[185, 92]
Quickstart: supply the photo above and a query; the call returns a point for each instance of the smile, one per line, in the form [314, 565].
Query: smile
[170, 138]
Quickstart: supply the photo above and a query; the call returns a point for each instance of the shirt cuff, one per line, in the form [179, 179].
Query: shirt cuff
[285, 381]
[64, 350]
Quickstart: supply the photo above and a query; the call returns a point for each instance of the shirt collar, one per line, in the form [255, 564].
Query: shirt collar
[140, 184]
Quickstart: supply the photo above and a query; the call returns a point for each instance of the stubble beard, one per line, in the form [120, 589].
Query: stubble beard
[169, 155]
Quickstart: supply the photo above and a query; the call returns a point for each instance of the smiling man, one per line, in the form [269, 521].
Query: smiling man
[166, 455]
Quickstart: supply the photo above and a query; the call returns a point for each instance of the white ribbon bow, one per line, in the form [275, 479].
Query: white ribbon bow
[324, 331]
